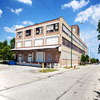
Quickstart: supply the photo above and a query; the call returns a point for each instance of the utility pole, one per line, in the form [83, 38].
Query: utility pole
[71, 46]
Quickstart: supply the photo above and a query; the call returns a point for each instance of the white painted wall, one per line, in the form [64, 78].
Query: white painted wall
[19, 44]
[38, 42]
[52, 40]
[67, 55]
[28, 43]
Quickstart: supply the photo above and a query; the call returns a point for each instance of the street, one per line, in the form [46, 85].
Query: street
[78, 84]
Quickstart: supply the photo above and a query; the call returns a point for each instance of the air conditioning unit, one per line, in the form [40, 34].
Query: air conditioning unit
[19, 36]
[27, 34]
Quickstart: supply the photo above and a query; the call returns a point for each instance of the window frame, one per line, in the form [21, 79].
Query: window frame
[19, 35]
[29, 34]
[39, 30]
[54, 27]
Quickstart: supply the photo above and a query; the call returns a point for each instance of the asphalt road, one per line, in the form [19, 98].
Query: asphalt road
[79, 84]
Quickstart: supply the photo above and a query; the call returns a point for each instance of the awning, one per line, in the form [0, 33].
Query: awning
[36, 48]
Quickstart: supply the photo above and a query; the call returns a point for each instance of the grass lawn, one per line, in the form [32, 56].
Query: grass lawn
[68, 67]
[48, 70]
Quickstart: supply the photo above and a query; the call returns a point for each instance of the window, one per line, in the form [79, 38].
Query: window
[73, 29]
[19, 34]
[40, 57]
[38, 42]
[28, 43]
[39, 30]
[52, 27]
[56, 26]
[49, 58]
[19, 44]
[52, 40]
[29, 57]
[67, 43]
[68, 32]
[28, 32]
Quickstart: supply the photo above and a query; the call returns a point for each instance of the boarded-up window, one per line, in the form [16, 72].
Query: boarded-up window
[52, 40]
[19, 44]
[38, 42]
[28, 43]
[40, 57]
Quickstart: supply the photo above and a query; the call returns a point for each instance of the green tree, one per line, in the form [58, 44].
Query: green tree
[5, 50]
[97, 60]
[87, 58]
[5, 43]
[1, 45]
[98, 29]
[12, 43]
[5, 53]
[93, 60]
[83, 59]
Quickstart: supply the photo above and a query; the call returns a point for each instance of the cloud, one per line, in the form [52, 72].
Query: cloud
[13, 28]
[16, 11]
[91, 14]
[90, 38]
[9, 37]
[91, 42]
[27, 23]
[89, 35]
[1, 12]
[75, 5]
[28, 2]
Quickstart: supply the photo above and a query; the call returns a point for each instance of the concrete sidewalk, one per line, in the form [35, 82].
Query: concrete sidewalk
[59, 85]
[13, 76]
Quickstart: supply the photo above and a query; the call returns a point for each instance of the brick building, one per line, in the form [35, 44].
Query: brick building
[49, 42]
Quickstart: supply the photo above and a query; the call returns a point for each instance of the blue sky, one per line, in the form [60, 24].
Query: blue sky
[18, 13]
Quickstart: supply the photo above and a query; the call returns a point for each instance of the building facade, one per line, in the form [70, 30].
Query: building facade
[49, 42]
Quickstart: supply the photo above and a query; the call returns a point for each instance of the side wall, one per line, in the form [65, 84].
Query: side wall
[65, 59]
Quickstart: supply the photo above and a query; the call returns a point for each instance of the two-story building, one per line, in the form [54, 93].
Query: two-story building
[49, 42]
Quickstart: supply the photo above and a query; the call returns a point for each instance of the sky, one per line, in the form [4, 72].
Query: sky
[19, 13]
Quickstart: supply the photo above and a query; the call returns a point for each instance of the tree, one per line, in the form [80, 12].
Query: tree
[5, 50]
[98, 29]
[1, 45]
[97, 60]
[5, 43]
[87, 58]
[83, 59]
[93, 60]
[5, 53]
[12, 43]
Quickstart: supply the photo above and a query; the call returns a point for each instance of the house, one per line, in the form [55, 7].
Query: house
[49, 42]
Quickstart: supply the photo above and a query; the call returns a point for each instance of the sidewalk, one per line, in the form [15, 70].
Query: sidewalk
[13, 76]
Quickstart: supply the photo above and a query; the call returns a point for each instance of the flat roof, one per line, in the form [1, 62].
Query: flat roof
[37, 24]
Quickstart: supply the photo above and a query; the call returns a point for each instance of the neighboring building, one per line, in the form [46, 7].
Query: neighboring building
[49, 42]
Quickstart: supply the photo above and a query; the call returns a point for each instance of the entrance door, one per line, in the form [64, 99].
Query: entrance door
[29, 57]
[20, 59]
[40, 57]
